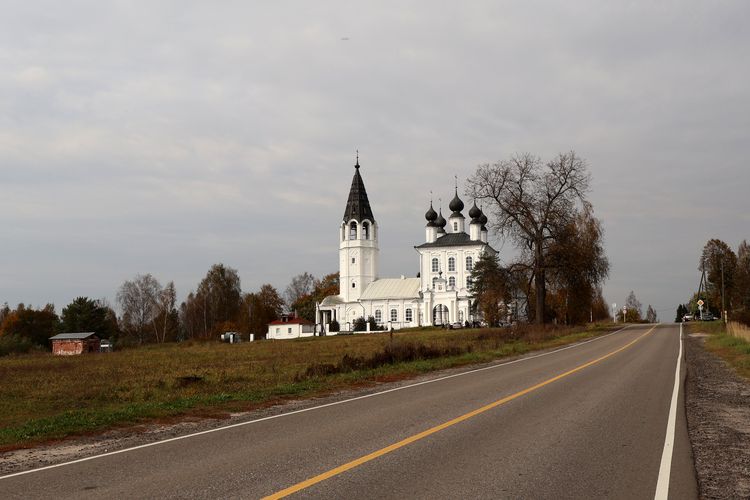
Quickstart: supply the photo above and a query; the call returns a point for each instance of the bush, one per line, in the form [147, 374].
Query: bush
[11, 344]
[374, 327]
[360, 325]
[334, 326]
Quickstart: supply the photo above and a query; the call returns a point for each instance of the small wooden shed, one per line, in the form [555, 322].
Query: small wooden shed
[70, 344]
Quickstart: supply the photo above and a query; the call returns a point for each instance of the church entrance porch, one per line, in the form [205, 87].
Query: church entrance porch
[440, 315]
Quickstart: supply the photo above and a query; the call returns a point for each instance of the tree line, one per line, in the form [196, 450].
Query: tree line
[727, 283]
[150, 313]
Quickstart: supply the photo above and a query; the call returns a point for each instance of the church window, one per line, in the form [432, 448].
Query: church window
[451, 264]
[435, 265]
[469, 263]
[469, 282]
[289, 330]
[434, 280]
[353, 231]
[366, 230]
[378, 316]
[455, 227]
[408, 316]
[452, 281]
[394, 314]
[354, 260]
[354, 285]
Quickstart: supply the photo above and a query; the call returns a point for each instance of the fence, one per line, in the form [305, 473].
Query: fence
[738, 330]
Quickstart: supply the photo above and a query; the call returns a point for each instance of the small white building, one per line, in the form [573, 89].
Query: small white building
[290, 327]
[439, 295]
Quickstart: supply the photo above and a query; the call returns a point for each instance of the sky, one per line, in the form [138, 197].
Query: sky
[163, 137]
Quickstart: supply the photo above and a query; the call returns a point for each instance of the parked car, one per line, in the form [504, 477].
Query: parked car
[708, 317]
[456, 325]
[688, 317]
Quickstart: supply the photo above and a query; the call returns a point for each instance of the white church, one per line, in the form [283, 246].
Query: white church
[438, 296]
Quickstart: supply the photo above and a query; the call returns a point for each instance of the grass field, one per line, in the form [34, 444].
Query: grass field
[45, 397]
[735, 350]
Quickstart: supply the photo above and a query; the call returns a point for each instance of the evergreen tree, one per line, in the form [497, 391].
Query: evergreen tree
[489, 288]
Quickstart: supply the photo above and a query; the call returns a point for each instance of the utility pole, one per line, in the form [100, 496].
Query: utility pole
[723, 304]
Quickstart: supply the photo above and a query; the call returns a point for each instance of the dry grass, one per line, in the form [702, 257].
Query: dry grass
[47, 397]
[733, 345]
[738, 330]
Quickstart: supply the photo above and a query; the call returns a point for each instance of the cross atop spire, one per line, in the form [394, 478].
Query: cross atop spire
[357, 164]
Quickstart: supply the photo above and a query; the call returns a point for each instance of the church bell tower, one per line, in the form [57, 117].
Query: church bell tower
[358, 247]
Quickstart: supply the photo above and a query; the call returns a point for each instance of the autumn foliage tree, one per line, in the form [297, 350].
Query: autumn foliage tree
[32, 325]
[322, 288]
[720, 264]
[261, 308]
[535, 204]
[577, 266]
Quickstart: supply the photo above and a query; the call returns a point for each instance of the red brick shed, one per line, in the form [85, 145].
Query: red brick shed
[69, 344]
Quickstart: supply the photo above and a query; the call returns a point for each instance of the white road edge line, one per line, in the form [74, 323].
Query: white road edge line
[271, 417]
[662, 485]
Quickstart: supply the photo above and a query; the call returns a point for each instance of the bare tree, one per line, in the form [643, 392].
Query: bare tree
[651, 314]
[166, 302]
[300, 286]
[138, 300]
[633, 308]
[531, 202]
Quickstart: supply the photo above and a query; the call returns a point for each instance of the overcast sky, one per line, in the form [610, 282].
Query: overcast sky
[163, 137]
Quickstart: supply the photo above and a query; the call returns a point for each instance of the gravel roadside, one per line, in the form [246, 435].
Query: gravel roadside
[718, 416]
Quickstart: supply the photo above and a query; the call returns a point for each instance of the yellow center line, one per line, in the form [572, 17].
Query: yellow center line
[416, 437]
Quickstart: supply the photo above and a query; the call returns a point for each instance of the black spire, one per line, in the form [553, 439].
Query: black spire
[358, 206]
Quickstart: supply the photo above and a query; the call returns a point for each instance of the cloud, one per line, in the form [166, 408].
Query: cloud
[167, 138]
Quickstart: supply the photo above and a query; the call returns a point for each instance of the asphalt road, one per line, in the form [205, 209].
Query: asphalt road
[583, 422]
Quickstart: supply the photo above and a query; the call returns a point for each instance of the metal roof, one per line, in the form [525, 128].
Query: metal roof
[453, 240]
[73, 336]
[332, 300]
[392, 288]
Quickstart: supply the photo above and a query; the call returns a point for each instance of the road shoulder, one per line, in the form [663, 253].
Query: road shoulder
[718, 415]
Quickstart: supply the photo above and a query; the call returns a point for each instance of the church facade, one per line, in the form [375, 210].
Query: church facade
[439, 295]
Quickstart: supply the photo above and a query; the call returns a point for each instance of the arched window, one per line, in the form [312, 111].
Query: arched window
[434, 281]
[452, 281]
[455, 227]
[365, 230]
[435, 265]
[378, 316]
[394, 315]
[408, 316]
[354, 285]
[469, 282]
[451, 264]
[353, 231]
[469, 263]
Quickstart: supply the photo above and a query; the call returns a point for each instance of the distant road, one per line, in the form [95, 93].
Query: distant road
[583, 422]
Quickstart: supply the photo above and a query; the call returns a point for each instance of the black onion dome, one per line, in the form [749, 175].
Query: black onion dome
[475, 213]
[431, 215]
[440, 222]
[456, 205]
[483, 220]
